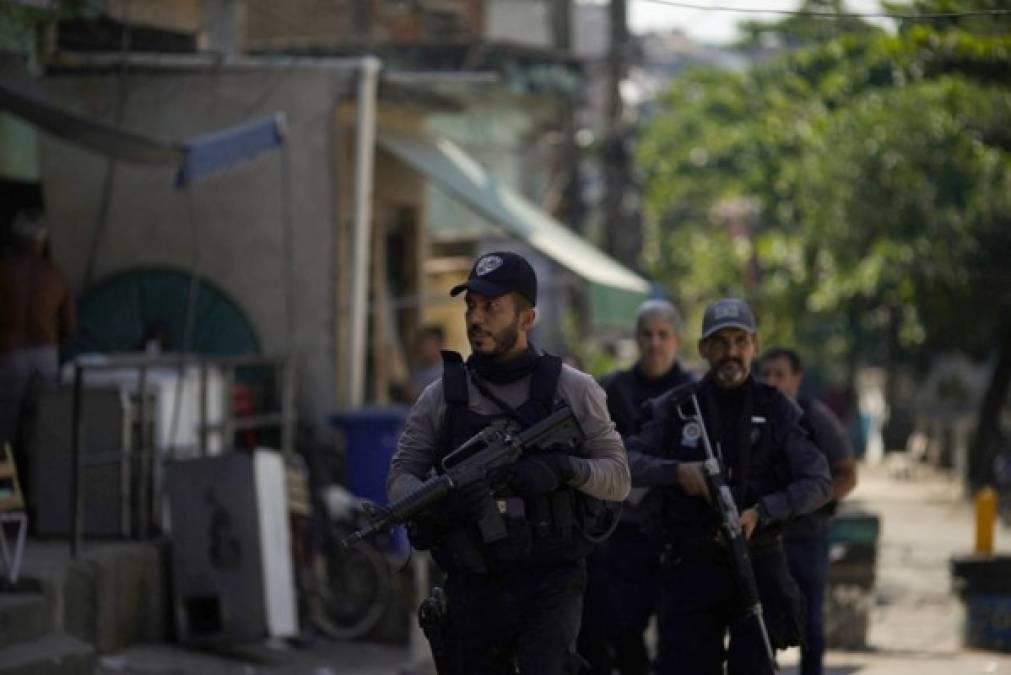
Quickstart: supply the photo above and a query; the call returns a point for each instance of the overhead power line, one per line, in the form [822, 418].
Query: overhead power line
[834, 15]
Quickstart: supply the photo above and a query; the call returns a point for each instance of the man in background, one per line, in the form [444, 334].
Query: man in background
[806, 538]
[621, 593]
[428, 344]
[36, 315]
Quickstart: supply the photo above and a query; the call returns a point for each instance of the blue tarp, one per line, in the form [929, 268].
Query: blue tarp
[220, 150]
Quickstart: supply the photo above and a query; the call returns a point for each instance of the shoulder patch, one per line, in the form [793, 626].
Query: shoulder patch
[690, 434]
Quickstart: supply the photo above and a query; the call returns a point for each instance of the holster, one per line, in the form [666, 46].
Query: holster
[433, 618]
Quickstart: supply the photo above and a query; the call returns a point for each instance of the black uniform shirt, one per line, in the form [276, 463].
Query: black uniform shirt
[830, 436]
[628, 390]
[789, 477]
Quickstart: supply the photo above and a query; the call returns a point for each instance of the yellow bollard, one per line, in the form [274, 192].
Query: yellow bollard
[986, 516]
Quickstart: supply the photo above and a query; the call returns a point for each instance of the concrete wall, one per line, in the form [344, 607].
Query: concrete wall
[183, 16]
[236, 231]
[528, 22]
[337, 23]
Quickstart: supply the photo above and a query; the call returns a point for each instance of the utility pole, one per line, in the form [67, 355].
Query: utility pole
[561, 24]
[569, 207]
[622, 219]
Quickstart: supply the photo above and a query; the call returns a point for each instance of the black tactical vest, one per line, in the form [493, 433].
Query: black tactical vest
[753, 469]
[541, 530]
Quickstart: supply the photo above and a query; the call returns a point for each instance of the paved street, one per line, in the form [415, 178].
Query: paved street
[915, 621]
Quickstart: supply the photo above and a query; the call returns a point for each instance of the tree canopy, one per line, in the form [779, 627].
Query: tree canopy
[856, 190]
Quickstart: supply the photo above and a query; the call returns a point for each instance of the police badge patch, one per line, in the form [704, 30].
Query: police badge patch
[487, 264]
[690, 435]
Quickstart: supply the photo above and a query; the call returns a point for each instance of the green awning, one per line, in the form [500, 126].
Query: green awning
[616, 291]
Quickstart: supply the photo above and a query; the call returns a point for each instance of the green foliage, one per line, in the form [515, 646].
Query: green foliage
[856, 191]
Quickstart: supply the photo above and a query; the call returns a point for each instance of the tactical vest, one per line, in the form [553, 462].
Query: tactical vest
[760, 467]
[541, 530]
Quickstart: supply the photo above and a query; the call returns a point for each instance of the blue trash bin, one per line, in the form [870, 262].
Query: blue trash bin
[370, 440]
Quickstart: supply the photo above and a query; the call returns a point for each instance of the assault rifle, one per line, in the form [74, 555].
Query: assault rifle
[730, 527]
[482, 457]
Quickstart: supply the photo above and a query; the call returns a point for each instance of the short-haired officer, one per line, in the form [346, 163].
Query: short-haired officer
[512, 603]
[624, 573]
[775, 474]
[806, 538]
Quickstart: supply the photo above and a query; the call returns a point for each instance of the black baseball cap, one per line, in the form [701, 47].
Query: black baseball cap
[498, 273]
[728, 313]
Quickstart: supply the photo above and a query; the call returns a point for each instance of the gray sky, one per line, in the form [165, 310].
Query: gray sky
[716, 26]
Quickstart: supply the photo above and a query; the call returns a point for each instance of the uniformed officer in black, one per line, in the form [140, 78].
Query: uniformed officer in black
[621, 595]
[775, 473]
[513, 602]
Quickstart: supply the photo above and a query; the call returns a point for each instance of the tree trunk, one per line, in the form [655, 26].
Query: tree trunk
[895, 429]
[987, 441]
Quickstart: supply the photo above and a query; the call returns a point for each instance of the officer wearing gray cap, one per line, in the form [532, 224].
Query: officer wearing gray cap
[775, 473]
[513, 604]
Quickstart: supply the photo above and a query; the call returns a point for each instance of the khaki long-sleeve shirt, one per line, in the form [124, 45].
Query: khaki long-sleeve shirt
[604, 453]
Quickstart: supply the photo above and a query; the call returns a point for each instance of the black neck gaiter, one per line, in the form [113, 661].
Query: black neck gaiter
[498, 371]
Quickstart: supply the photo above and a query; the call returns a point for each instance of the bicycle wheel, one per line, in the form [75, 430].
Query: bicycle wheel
[359, 585]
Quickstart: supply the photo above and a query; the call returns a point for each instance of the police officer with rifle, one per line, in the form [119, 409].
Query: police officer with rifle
[512, 542]
[733, 462]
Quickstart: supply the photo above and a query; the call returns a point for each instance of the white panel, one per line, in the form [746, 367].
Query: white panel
[275, 543]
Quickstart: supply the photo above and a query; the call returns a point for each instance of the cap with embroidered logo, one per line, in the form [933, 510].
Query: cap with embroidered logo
[498, 273]
[728, 313]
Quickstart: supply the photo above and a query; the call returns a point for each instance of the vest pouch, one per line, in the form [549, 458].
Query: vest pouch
[557, 538]
[515, 546]
[457, 552]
